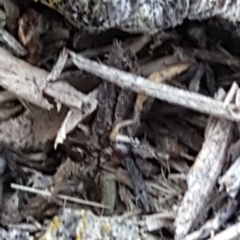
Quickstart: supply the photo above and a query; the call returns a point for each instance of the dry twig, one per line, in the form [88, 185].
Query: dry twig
[161, 91]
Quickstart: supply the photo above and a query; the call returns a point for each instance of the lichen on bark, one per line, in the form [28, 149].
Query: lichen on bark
[142, 15]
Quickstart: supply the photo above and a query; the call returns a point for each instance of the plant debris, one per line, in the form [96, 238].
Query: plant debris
[117, 126]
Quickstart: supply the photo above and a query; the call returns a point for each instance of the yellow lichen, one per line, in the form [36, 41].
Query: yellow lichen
[106, 228]
[83, 225]
[51, 3]
[54, 225]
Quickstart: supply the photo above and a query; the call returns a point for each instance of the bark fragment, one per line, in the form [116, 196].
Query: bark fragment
[203, 175]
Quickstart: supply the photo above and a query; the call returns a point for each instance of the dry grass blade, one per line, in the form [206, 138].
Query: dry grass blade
[46, 193]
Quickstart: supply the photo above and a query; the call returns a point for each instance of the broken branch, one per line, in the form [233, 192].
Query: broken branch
[160, 91]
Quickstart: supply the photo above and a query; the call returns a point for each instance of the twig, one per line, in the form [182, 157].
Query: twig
[160, 91]
[23, 79]
[60, 196]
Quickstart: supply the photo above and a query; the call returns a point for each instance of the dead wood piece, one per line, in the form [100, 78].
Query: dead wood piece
[161, 91]
[121, 176]
[186, 134]
[6, 96]
[234, 151]
[29, 83]
[140, 190]
[69, 96]
[145, 150]
[203, 175]
[211, 56]
[31, 133]
[137, 44]
[170, 145]
[158, 221]
[6, 113]
[13, 133]
[46, 124]
[10, 42]
[22, 79]
[115, 105]
[164, 75]
[142, 15]
[103, 122]
[161, 63]
[15, 234]
[73, 118]
[109, 192]
[231, 180]
[231, 233]
[214, 224]
[11, 8]
[86, 225]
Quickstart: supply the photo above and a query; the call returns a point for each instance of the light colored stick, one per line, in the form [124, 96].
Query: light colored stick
[29, 83]
[160, 91]
[46, 193]
[203, 175]
[23, 79]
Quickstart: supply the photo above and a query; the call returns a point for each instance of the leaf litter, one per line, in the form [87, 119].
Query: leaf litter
[117, 135]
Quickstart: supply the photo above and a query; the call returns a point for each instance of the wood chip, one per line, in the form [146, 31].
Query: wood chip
[203, 175]
[23, 79]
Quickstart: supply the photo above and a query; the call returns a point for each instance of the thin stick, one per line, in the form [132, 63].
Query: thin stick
[160, 91]
[46, 193]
